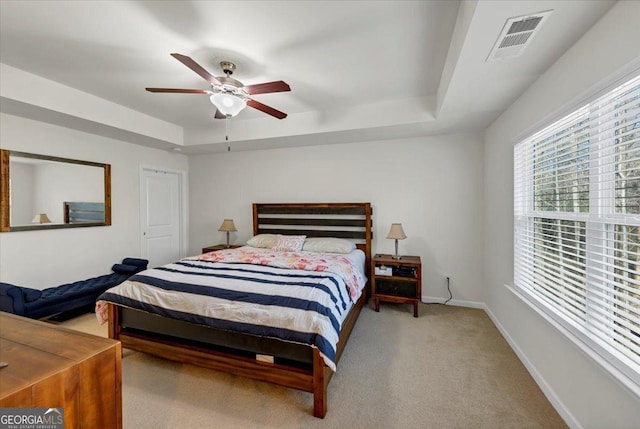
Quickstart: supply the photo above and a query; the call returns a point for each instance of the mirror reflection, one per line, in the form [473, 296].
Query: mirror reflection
[48, 192]
[39, 189]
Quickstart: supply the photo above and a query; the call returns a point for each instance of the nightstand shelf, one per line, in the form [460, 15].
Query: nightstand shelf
[220, 247]
[397, 280]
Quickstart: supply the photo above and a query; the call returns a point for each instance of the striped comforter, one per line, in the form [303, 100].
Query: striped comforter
[299, 305]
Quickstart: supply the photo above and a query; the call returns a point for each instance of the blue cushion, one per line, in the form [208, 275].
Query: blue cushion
[31, 294]
[11, 299]
[65, 291]
[40, 303]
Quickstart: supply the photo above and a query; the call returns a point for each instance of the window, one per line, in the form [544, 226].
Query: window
[577, 225]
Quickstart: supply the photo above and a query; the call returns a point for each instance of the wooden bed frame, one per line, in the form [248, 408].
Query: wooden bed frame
[310, 374]
[80, 212]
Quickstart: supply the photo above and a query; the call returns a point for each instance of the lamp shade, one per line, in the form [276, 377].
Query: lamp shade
[227, 225]
[396, 232]
[41, 218]
[228, 104]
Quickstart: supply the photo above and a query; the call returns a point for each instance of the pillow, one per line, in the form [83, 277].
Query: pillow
[289, 243]
[126, 269]
[266, 241]
[135, 261]
[328, 245]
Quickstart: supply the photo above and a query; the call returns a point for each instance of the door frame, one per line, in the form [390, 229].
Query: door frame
[182, 200]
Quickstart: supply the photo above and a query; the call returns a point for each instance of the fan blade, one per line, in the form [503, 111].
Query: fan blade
[219, 115]
[196, 68]
[180, 91]
[263, 88]
[266, 109]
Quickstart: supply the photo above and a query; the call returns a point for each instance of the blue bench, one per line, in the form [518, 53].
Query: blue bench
[38, 304]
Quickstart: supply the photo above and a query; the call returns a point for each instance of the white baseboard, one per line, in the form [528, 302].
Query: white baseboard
[453, 302]
[544, 386]
[539, 379]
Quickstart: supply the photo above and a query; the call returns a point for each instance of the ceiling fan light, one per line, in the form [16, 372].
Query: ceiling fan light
[228, 104]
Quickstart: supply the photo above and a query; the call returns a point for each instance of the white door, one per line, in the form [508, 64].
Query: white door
[160, 210]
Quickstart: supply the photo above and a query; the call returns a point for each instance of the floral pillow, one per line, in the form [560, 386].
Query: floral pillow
[289, 243]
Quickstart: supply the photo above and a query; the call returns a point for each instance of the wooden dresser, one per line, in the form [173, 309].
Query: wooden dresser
[53, 367]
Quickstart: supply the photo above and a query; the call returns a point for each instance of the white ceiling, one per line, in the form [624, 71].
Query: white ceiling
[358, 70]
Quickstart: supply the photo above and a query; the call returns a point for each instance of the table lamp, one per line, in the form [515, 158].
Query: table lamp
[396, 233]
[41, 218]
[227, 226]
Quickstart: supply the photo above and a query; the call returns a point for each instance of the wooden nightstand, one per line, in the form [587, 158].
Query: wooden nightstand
[219, 247]
[401, 281]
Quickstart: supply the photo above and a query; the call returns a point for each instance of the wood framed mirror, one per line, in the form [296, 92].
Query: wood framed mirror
[45, 192]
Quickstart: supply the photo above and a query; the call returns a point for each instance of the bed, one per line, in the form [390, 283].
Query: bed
[260, 355]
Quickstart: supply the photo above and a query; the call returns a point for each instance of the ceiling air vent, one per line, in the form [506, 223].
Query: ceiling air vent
[516, 34]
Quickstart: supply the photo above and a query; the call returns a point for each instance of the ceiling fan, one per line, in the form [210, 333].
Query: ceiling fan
[229, 95]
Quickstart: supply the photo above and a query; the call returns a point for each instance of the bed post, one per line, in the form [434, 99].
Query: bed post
[320, 382]
[255, 218]
[114, 321]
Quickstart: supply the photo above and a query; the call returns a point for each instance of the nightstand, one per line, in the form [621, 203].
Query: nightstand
[219, 247]
[397, 280]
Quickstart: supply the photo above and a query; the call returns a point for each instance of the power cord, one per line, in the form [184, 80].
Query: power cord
[450, 294]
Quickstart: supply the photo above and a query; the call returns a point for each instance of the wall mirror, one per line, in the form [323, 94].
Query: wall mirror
[46, 192]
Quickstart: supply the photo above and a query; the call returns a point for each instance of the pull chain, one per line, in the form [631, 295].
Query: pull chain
[227, 136]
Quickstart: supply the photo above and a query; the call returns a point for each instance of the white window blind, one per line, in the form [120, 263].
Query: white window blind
[577, 224]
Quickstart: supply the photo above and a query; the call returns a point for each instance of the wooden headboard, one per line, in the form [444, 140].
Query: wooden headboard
[79, 212]
[342, 220]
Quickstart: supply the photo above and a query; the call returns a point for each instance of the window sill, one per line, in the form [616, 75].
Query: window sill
[628, 383]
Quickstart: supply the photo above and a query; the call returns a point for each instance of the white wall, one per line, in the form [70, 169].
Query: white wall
[22, 197]
[433, 186]
[585, 395]
[47, 258]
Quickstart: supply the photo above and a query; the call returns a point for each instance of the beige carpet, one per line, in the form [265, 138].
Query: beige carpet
[449, 368]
